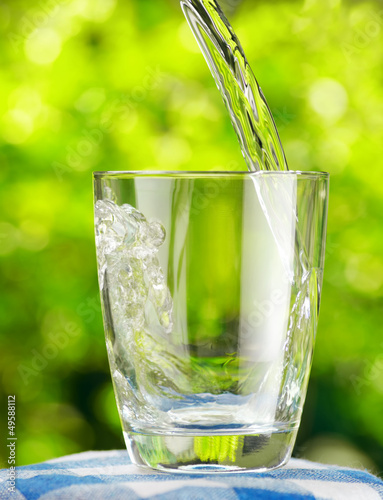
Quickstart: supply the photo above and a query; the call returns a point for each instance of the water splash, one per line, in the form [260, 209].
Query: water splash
[250, 115]
[157, 379]
[127, 246]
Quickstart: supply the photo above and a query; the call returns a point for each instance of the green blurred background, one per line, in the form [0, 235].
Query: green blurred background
[116, 85]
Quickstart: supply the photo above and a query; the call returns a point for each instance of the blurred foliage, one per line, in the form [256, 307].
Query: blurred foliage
[117, 85]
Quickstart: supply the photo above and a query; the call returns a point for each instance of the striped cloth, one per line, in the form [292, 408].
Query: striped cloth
[111, 476]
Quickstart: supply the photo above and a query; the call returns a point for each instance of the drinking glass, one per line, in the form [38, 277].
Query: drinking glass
[210, 285]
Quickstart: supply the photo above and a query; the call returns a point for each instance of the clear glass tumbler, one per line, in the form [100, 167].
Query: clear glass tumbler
[210, 286]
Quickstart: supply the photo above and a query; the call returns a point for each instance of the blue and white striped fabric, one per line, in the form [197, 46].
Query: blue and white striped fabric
[111, 476]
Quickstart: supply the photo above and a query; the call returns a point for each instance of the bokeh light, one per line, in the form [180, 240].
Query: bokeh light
[43, 46]
[17, 126]
[328, 98]
[113, 85]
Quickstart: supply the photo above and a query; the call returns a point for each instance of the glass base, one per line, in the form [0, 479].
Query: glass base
[211, 453]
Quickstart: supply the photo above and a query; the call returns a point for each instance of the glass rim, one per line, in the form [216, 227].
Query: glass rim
[209, 173]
